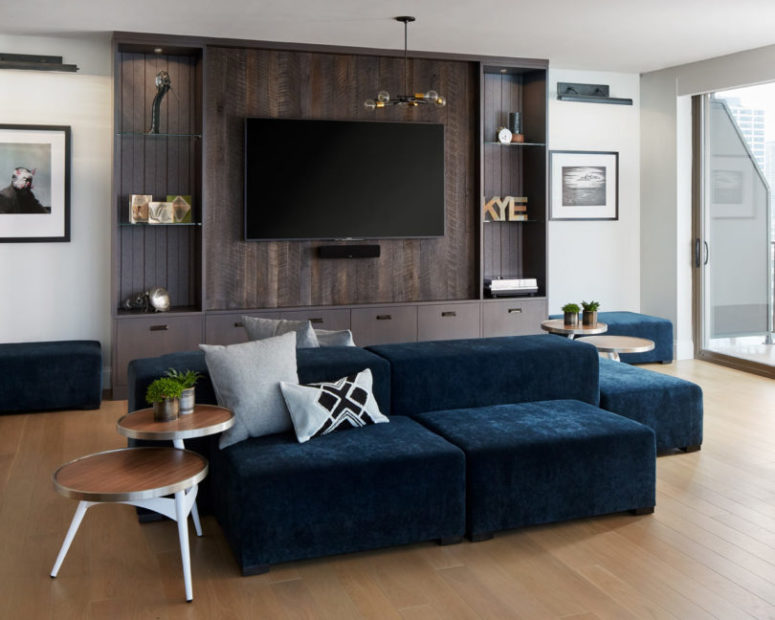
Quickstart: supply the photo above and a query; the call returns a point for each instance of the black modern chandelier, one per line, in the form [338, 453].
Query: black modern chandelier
[383, 97]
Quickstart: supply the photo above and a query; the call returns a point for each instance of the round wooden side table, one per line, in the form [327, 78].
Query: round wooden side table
[557, 326]
[205, 420]
[613, 345]
[139, 477]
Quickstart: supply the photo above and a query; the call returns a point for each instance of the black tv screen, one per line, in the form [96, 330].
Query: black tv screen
[320, 179]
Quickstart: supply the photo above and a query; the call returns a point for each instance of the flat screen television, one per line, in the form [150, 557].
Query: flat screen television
[322, 179]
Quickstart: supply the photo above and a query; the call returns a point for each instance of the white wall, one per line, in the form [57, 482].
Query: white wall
[598, 260]
[60, 291]
[666, 270]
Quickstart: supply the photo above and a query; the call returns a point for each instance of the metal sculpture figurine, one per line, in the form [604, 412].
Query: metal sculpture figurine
[157, 298]
[163, 84]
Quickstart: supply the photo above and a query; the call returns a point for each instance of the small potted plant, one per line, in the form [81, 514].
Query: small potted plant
[187, 380]
[589, 316]
[164, 395]
[571, 315]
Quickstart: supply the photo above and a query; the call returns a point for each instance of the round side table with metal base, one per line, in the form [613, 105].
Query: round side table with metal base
[557, 326]
[139, 477]
[613, 345]
[205, 420]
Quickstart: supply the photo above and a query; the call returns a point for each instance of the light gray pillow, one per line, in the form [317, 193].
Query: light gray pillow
[246, 378]
[339, 338]
[259, 328]
[321, 408]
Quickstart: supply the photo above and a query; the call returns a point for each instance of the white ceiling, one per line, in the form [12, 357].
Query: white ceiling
[614, 35]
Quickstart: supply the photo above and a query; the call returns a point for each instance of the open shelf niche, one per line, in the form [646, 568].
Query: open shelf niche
[514, 249]
[159, 164]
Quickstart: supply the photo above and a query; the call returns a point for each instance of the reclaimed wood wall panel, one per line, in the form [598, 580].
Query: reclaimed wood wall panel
[293, 84]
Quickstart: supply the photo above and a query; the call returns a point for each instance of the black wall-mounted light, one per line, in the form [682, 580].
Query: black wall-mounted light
[588, 93]
[35, 63]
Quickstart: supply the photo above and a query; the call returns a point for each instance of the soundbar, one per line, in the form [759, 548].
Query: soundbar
[371, 250]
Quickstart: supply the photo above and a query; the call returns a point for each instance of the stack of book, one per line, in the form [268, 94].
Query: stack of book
[510, 287]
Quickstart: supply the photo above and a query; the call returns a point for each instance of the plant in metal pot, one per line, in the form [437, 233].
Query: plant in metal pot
[187, 380]
[164, 394]
[589, 316]
[570, 315]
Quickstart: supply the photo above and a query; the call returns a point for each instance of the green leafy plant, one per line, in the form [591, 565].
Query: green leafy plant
[186, 378]
[574, 308]
[162, 388]
[590, 306]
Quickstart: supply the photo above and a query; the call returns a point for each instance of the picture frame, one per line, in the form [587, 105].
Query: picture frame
[34, 183]
[583, 185]
[731, 187]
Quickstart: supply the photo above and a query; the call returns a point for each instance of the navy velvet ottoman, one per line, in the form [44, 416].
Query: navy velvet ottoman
[381, 485]
[548, 461]
[43, 376]
[672, 407]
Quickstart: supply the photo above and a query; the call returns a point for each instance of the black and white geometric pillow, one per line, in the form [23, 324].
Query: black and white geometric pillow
[321, 408]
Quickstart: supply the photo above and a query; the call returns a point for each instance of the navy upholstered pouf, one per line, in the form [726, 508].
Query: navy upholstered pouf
[670, 406]
[387, 484]
[548, 461]
[640, 326]
[42, 376]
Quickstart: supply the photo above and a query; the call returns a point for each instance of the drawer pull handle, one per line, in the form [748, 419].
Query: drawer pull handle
[384, 317]
[449, 313]
[239, 324]
[515, 310]
[158, 328]
[316, 321]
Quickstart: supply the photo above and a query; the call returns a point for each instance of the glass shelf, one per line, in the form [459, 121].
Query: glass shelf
[143, 134]
[511, 221]
[517, 143]
[146, 225]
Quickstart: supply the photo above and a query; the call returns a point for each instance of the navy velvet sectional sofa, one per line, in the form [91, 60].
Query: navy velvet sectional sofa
[484, 435]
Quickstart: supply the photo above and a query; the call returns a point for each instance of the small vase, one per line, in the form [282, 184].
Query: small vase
[570, 319]
[187, 401]
[589, 318]
[166, 410]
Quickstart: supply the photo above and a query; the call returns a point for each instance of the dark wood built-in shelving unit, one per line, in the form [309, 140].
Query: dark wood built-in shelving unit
[416, 288]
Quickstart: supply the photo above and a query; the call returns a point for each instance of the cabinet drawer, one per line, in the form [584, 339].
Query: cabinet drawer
[228, 328]
[513, 317]
[448, 321]
[334, 318]
[152, 336]
[384, 325]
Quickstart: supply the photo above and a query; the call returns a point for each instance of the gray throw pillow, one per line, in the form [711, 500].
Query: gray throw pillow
[339, 338]
[321, 408]
[259, 328]
[246, 378]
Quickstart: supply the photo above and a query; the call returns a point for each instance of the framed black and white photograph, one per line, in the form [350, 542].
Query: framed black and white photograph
[583, 185]
[34, 183]
[731, 187]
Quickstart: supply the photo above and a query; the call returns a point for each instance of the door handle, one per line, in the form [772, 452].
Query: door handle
[697, 251]
[158, 328]
[707, 253]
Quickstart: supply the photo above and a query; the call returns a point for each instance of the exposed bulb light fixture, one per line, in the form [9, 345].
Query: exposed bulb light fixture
[383, 97]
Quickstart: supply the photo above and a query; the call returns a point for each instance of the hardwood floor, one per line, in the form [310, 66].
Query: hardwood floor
[707, 552]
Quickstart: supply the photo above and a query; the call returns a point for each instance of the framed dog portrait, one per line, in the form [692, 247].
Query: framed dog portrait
[34, 183]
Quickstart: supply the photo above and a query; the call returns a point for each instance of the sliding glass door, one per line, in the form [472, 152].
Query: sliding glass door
[733, 244]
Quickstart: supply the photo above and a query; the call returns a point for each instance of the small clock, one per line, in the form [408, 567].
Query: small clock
[504, 135]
